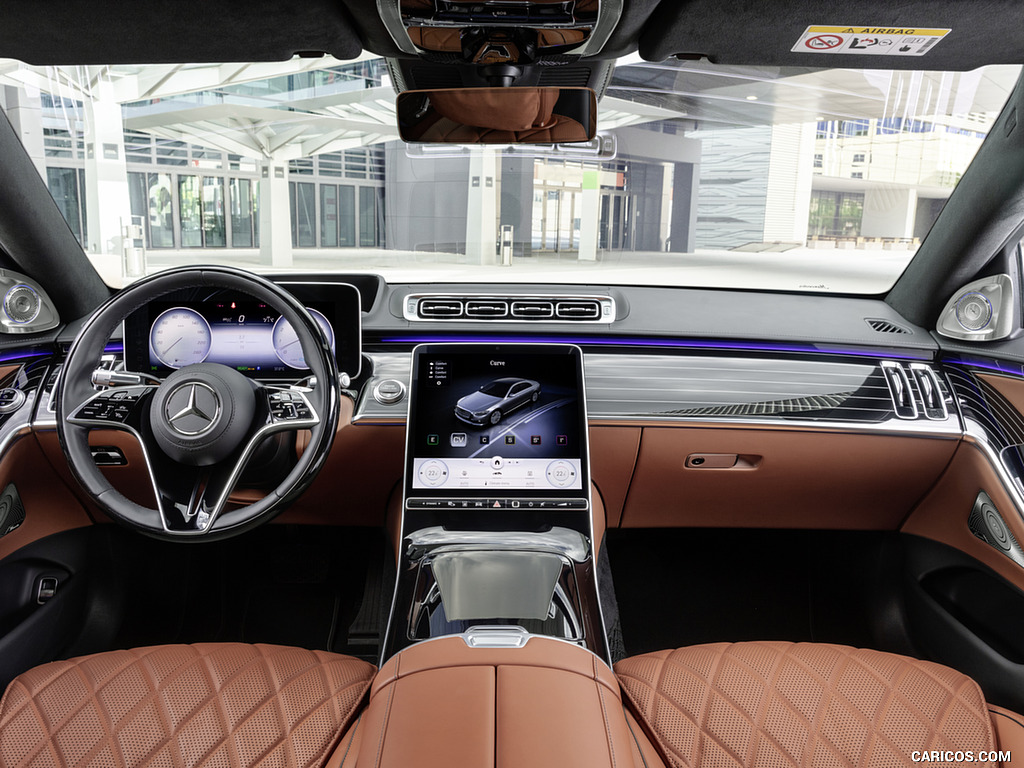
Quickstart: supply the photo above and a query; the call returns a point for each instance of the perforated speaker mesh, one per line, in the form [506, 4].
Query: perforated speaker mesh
[973, 311]
[22, 304]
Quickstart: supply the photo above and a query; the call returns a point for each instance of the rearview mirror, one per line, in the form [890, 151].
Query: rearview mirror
[498, 115]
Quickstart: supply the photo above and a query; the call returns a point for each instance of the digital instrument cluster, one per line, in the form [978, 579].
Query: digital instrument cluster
[240, 332]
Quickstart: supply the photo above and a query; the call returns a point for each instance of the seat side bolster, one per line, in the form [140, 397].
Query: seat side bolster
[1009, 730]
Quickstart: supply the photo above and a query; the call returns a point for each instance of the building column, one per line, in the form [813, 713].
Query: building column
[685, 181]
[788, 192]
[107, 205]
[482, 208]
[889, 213]
[275, 215]
[25, 111]
[590, 214]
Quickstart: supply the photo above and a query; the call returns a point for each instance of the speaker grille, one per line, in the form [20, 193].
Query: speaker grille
[973, 311]
[12, 513]
[22, 304]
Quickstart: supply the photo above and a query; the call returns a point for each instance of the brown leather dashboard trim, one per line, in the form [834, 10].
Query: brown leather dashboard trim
[787, 479]
[942, 514]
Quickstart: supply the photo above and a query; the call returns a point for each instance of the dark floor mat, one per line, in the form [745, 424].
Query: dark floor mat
[687, 586]
[287, 585]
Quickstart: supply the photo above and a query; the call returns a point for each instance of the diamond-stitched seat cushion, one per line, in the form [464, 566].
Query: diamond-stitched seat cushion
[210, 704]
[806, 705]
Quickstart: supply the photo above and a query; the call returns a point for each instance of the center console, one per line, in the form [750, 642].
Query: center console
[496, 528]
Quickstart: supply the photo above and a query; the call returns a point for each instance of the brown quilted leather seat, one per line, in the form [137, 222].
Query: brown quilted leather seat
[803, 705]
[210, 704]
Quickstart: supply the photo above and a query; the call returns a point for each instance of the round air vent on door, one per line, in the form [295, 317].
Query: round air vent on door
[973, 311]
[22, 304]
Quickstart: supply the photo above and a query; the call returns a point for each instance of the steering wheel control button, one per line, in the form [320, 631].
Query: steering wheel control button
[202, 413]
[389, 392]
[110, 406]
[11, 400]
[434, 473]
[289, 406]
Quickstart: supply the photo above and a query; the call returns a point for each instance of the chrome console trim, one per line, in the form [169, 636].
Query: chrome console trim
[559, 541]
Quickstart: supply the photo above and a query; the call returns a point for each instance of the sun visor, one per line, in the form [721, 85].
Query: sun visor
[932, 35]
[186, 31]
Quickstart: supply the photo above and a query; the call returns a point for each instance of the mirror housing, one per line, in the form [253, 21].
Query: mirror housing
[497, 115]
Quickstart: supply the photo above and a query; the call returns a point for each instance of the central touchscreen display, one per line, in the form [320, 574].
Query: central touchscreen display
[496, 420]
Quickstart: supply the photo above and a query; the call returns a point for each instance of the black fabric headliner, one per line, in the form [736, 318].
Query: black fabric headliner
[121, 32]
[762, 32]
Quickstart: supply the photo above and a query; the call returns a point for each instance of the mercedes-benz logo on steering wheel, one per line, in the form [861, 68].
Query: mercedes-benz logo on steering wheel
[192, 408]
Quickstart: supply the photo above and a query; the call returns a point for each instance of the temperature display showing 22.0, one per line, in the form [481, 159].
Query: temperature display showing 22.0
[180, 336]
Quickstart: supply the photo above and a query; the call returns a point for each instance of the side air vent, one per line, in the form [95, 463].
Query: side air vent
[510, 308]
[884, 326]
[440, 308]
[899, 389]
[915, 391]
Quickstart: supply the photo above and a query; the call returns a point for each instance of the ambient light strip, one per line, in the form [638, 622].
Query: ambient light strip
[666, 343]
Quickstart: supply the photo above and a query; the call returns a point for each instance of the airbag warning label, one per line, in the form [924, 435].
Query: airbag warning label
[870, 41]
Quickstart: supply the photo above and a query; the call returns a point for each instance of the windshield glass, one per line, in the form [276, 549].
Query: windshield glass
[496, 388]
[788, 179]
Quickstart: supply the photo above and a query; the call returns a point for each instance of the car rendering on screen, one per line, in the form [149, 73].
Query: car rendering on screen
[496, 399]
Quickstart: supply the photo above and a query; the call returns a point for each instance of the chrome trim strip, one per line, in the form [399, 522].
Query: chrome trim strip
[560, 541]
[581, 644]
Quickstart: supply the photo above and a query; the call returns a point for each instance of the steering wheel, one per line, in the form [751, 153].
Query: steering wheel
[201, 424]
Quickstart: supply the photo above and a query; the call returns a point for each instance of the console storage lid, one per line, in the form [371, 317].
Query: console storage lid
[446, 702]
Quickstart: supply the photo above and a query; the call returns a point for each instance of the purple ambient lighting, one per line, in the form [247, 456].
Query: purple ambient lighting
[660, 343]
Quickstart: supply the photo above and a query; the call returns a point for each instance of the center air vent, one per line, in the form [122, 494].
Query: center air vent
[510, 308]
[440, 308]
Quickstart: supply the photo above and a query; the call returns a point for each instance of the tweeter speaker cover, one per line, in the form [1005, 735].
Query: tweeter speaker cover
[973, 311]
[22, 304]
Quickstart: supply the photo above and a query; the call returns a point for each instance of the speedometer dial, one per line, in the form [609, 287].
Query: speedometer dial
[180, 337]
[286, 341]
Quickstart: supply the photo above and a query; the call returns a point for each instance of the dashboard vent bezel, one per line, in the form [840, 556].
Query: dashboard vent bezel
[509, 308]
[878, 325]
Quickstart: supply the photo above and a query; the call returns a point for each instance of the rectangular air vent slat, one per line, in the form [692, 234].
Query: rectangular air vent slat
[487, 308]
[578, 310]
[533, 310]
[440, 308]
[510, 308]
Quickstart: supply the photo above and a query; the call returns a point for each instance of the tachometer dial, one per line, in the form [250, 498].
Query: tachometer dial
[286, 341]
[179, 337]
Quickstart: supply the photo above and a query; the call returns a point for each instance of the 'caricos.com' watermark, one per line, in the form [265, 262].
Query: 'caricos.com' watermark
[958, 756]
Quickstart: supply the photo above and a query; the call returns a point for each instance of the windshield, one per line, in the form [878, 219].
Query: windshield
[497, 388]
[788, 179]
